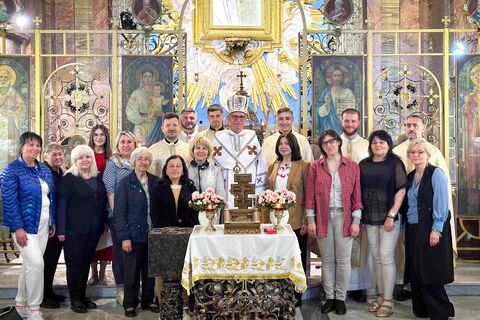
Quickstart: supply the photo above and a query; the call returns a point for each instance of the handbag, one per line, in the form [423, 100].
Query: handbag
[105, 241]
[9, 313]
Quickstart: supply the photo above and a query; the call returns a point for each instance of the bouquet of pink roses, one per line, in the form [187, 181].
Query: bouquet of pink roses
[272, 199]
[200, 201]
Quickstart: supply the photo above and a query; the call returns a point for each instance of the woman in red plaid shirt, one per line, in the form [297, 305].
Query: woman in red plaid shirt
[334, 209]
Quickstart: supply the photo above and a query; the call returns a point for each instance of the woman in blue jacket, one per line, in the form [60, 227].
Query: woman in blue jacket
[132, 222]
[29, 213]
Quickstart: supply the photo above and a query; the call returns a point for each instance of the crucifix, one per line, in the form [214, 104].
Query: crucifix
[241, 75]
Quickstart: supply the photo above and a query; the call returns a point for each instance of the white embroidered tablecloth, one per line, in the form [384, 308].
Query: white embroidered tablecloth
[222, 256]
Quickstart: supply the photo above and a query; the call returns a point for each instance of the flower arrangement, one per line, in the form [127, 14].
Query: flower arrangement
[206, 200]
[282, 198]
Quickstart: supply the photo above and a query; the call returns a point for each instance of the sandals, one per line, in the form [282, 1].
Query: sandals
[93, 281]
[386, 309]
[375, 305]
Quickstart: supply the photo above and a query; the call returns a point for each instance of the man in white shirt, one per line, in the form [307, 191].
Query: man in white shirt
[215, 117]
[355, 148]
[170, 145]
[285, 125]
[239, 148]
[188, 119]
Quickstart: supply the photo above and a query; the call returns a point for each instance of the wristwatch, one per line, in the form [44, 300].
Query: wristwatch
[391, 215]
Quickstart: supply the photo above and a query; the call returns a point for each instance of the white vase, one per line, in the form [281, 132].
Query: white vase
[283, 220]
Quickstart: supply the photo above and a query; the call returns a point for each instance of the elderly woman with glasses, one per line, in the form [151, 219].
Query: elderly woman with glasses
[132, 223]
[428, 242]
[82, 217]
[334, 205]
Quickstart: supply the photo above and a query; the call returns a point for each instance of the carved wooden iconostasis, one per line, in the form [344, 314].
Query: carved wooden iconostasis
[81, 62]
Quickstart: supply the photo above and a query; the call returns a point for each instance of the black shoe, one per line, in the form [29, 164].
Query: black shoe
[78, 307]
[152, 308]
[357, 295]
[340, 307]
[403, 295]
[328, 306]
[89, 304]
[58, 297]
[130, 313]
[49, 303]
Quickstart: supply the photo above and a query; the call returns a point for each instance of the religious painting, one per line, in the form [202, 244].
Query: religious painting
[472, 7]
[242, 13]
[14, 102]
[146, 95]
[7, 10]
[468, 142]
[337, 85]
[147, 12]
[338, 12]
[254, 19]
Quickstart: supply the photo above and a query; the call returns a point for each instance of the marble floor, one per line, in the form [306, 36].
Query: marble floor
[467, 308]
[464, 293]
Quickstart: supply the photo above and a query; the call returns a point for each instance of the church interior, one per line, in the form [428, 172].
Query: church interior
[68, 65]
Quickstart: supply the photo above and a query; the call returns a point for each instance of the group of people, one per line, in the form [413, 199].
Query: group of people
[361, 184]
[134, 188]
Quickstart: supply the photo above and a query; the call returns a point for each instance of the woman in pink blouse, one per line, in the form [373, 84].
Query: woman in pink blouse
[333, 205]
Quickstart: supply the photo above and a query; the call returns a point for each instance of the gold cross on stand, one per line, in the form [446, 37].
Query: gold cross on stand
[245, 219]
[241, 190]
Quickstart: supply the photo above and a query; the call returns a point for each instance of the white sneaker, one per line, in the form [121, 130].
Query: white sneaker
[119, 298]
[22, 311]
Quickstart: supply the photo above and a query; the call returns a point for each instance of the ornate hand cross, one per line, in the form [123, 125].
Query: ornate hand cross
[241, 190]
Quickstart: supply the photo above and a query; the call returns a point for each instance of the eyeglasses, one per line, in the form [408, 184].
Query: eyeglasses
[410, 125]
[330, 141]
[238, 117]
[419, 152]
[140, 159]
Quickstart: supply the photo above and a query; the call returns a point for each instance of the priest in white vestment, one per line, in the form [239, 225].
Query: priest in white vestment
[284, 119]
[414, 128]
[188, 120]
[238, 147]
[215, 117]
[355, 148]
[169, 146]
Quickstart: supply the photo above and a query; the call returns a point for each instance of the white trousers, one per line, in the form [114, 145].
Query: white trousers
[30, 281]
[382, 247]
[335, 252]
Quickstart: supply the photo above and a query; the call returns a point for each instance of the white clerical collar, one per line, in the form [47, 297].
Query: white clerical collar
[195, 130]
[170, 143]
[241, 133]
[354, 139]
